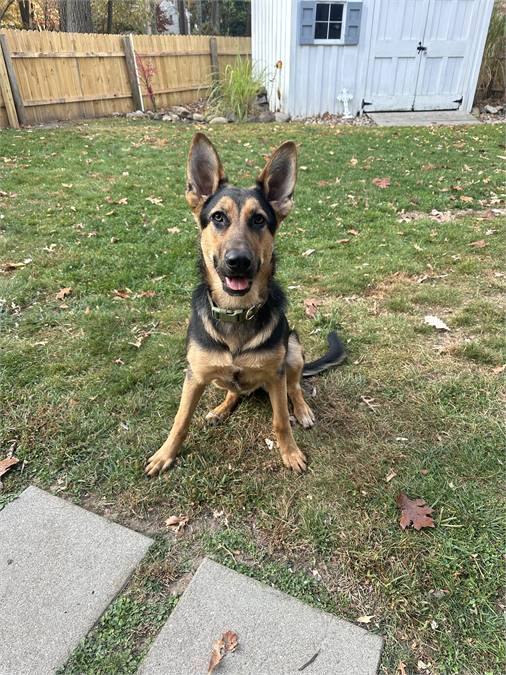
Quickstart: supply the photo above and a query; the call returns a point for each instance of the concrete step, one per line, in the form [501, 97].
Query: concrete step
[426, 118]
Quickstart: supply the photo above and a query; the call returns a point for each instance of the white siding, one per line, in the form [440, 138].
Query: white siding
[270, 29]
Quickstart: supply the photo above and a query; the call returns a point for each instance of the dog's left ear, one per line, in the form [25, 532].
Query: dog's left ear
[279, 177]
[204, 171]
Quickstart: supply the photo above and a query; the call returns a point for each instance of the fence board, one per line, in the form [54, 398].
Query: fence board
[65, 76]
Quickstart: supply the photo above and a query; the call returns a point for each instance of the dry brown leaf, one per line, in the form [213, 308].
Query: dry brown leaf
[63, 293]
[173, 230]
[342, 241]
[391, 476]
[415, 512]
[10, 266]
[158, 201]
[309, 251]
[177, 523]
[499, 369]
[311, 306]
[353, 161]
[355, 233]
[481, 243]
[7, 463]
[365, 619]
[465, 198]
[145, 294]
[121, 293]
[226, 643]
[401, 668]
[381, 182]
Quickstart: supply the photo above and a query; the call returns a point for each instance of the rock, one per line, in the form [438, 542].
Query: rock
[150, 114]
[252, 118]
[231, 117]
[266, 116]
[157, 115]
[219, 120]
[135, 114]
[181, 111]
[197, 117]
[492, 109]
[282, 117]
[169, 117]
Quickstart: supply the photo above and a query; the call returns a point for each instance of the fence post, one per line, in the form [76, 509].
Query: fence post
[213, 49]
[10, 90]
[133, 75]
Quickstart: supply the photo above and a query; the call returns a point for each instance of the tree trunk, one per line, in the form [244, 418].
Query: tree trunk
[215, 16]
[25, 11]
[198, 11]
[75, 16]
[183, 25]
[109, 16]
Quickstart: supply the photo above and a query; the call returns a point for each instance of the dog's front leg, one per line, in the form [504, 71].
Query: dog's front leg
[292, 457]
[165, 456]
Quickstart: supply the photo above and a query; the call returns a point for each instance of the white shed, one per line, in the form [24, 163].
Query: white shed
[387, 54]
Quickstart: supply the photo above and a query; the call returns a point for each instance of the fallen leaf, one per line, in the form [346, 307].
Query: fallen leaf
[465, 198]
[311, 306]
[309, 251]
[63, 293]
[119, 362]
[145, 294]
[173, 230]
[401, 668]
[353, 161]
[481, 243]
[7, 463]
[9, 266]
[391, 476]
[365, 619]
[177, 523]
[435, 322]
[499, 369]
[415, 512]
[269, 443]
[226, 643]
[158, 201]
[355, 233]
[342, 241]
[381, 182]
[121, 293]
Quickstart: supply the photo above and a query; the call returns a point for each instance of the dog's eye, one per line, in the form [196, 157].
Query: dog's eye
[218, 218]
[258, 219]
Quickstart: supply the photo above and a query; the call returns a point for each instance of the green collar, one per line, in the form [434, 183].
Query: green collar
[233, 315]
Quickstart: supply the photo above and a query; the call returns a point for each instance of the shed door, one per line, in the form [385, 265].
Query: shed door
[420, 55]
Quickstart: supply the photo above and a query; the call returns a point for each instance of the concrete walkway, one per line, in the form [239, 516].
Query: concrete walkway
[423, 119]
[278, 635]
[60, 567]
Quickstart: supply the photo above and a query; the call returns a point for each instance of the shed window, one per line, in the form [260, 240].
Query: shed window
[329, 21]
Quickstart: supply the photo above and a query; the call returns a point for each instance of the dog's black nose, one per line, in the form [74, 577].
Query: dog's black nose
[238, 260]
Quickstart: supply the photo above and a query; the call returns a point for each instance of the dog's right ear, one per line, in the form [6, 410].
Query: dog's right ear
[204, 171]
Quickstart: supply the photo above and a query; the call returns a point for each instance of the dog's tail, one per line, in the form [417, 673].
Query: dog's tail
[335, 355]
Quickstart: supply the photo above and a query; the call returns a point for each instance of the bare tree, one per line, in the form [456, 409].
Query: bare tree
[109, 16]
[75, 16]
[26, 14]
[215, 16]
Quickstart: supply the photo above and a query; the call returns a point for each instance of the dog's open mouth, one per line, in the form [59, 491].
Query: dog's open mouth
[237, 285]
[240, 284]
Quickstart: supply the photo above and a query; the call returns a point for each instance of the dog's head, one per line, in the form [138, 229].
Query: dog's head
[238, 224]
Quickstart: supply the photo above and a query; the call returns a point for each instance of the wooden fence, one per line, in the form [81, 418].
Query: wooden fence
[48, 76]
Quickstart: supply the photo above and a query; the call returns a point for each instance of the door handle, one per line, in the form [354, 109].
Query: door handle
[421, 48]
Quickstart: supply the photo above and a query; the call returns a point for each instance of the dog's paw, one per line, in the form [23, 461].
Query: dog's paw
[158, 462]
[213, 418]
[305, 416]
[295, 460]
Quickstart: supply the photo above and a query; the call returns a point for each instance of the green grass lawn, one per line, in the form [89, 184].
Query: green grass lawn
[89, 384]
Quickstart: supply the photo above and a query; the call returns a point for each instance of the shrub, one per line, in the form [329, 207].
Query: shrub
[236, 89]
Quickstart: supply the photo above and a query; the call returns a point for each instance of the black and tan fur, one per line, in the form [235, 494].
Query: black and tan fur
[237, 226]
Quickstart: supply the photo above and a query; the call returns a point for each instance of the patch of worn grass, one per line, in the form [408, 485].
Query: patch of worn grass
[87, 402]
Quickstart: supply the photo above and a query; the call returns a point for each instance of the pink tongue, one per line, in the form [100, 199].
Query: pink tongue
[237, 283]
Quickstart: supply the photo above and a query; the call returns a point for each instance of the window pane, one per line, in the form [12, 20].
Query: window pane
[336, 11]
[322, 11]
[320, 31]
[335, 31]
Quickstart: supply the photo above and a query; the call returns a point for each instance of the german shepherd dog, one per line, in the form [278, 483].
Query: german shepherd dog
[238, 336]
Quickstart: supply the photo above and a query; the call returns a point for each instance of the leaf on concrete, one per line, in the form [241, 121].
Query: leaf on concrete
[311, 306]
[226, 643]
[414, 512]
[435, 322]
[7, 463]
[381, 182]
[63, 293]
